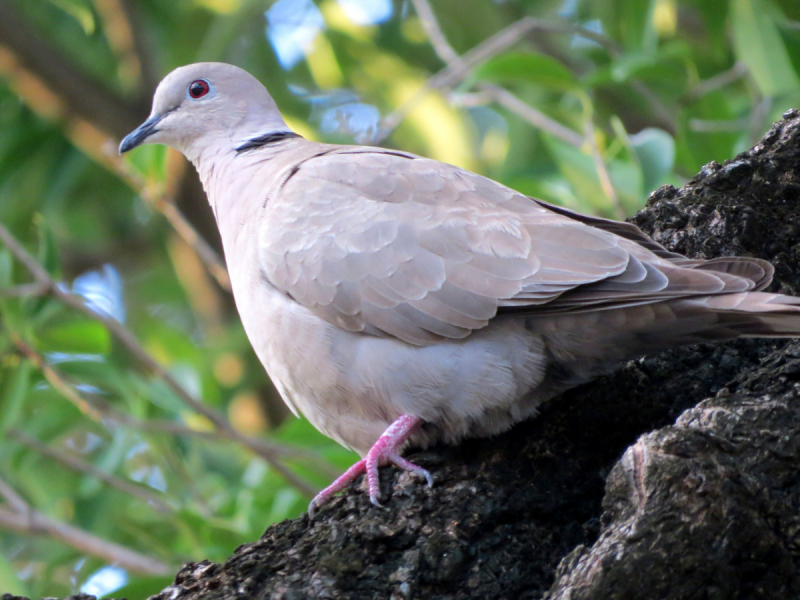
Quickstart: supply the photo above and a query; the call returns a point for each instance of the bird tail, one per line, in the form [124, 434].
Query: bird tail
[586, 344]
[755, 314]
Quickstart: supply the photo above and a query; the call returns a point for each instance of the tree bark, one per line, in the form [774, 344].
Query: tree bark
[676, 477]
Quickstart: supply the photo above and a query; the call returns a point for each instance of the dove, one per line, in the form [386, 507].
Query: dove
[397, 301]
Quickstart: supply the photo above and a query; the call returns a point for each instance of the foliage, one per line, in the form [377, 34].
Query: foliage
[648, 91]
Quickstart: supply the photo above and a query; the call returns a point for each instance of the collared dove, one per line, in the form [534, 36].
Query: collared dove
[397, 300]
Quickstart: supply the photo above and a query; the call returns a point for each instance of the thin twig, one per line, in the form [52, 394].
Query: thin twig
[720, 80]
[127, 339]
[66, 390]
[458, 67]
[709, 126]
[86, 96]
[13, 498]
[760, 112]
[98, 410]
[166, 426]
[660, 111]
[80, 465]
[432, 29]
[602, 171]
[164, 204]
[143, 50]
[536, 118]
[454, 73]
[24, 290]
[28, 521]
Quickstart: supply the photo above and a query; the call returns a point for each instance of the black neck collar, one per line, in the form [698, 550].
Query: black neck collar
[265, 140]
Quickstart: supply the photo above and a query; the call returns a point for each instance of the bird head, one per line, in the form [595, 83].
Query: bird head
[205, 104]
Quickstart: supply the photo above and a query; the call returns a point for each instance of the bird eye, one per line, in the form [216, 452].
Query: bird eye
[198, 88]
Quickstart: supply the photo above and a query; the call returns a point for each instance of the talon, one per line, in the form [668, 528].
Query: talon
[385, 450]
[406, 465]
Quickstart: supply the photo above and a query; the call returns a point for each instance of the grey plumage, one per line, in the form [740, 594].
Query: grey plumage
[374, 283]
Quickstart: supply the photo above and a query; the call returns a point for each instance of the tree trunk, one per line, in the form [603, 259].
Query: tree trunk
[676, 477]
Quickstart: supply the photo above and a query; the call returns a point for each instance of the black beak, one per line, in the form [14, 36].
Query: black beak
[140, 134]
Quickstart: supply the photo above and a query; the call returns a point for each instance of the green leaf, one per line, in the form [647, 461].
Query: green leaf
[9, 582]
[630, 65]
[791, 40]
[528, 66]
[149, 161]
[81, 11]
[48, 248]
[78, 337]
[759, 45]
[6, 268]
[791, 8]
[142, 587]
[655, 150]
[695, 148]
[14, 395]
[630, 22]
[284, 505]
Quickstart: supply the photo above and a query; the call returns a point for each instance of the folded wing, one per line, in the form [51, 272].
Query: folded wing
[391, 244]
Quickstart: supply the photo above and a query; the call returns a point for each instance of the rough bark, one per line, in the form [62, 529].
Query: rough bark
[676, 477]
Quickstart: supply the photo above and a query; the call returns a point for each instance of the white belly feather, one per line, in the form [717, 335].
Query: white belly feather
[352, 386]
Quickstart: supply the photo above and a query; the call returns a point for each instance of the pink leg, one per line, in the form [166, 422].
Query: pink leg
[384, 451]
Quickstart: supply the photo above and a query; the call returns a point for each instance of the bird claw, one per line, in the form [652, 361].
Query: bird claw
[382, 452]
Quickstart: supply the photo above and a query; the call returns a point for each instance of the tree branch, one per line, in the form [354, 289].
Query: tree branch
[80, 465]
[165, 204]
[430, 25]
[147, 62]
[602, 171]
[24, 290]
[720, 80]
[13, 498]
[458, 67]
[535, 117]
[84, 95]
[98, 411]
[100, 106]
[28, 521]
[127, 339]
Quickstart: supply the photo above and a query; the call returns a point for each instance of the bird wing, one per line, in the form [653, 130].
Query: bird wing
[392, 244]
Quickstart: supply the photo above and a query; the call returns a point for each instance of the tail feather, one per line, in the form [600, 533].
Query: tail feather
[758, 271]
[757, 314]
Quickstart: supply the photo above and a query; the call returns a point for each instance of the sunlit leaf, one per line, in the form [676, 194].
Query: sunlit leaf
[14, 394]
[81, 11]
[760, 46]
[529, 66]
[78, 336]
[10, 583]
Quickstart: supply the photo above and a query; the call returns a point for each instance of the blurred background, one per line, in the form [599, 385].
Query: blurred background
[138, 429]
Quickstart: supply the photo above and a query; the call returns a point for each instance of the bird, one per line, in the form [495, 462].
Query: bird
[397, 301]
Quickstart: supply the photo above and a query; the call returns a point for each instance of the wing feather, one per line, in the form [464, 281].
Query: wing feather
[390, 244]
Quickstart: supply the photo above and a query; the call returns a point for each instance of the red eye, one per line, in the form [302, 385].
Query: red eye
[198, 88]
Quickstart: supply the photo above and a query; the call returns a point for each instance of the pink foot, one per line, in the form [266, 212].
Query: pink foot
[383, 452]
